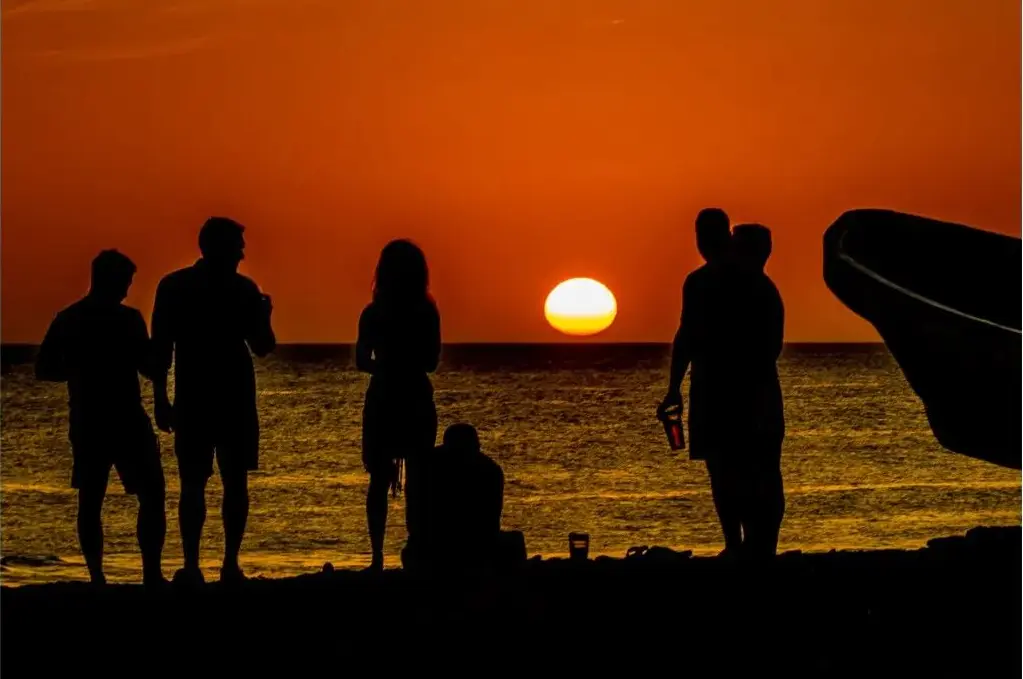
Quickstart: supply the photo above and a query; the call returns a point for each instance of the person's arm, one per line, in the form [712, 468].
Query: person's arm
[681, 349]
[161, 354]
[261, 338]
[364, 360]
[766, 333]
[498, 507]
[777, 324]
[51, 363]
[431, 346]
[492, 499]
[141, 348]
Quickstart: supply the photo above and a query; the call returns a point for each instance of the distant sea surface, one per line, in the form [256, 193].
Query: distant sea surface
[572, 425]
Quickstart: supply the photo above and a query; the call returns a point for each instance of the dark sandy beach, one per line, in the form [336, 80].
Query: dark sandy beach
[952, 606]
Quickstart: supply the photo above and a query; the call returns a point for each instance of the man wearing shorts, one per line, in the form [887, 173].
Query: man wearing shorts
[207, 318]
[99, 346]
[700, 346]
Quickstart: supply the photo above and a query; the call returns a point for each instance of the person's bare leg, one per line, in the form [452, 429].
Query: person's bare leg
[90, 528]
[376, 515]
[774, 509]
[235, 512]
[152, 531]
[191, 519]
[723, 491]
[763, 510]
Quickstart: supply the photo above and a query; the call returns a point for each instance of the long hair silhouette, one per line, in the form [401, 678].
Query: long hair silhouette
[398, 345]
[402, 276]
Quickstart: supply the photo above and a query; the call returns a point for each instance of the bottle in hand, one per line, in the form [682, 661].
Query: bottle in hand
[671, 417]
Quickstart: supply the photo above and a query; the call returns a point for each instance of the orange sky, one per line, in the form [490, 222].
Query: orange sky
[520, 142]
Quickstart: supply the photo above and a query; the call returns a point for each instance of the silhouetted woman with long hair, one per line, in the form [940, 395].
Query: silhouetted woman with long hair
[399, 345]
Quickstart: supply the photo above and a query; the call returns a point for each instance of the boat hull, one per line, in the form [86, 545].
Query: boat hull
[945, 299]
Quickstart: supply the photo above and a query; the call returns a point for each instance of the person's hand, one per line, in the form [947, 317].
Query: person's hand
[268, 305]
[671, 400]
[164, 414]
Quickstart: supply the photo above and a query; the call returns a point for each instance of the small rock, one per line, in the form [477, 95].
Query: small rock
[951, 542]
[665, 554]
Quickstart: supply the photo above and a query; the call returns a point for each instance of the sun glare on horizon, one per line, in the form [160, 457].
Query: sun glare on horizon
[580, 306]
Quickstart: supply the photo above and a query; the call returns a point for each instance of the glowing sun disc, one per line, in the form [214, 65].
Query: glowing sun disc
[580, 306]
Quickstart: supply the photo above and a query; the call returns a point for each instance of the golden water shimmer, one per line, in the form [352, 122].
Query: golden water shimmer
[574, 428]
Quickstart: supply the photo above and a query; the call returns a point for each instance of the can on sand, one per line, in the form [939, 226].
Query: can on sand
[578, 546]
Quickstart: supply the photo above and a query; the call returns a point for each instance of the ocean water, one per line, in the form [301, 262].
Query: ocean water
[573, 427]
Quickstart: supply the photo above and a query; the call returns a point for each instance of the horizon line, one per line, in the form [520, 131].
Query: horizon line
[533, 344]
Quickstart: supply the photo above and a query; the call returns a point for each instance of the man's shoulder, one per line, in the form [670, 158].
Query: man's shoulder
[368, 312]
[244, 283]
[491, 465]
[133, 316]
[429, 309]
[129, 313]
[704, 272]
[702, 277]
[178, 278]
[764, 283]
[85, 309]
[67, 317]
[72, 310]
[192, 276]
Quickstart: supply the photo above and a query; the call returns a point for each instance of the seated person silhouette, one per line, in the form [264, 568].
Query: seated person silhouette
[456, 521]
[99, 346]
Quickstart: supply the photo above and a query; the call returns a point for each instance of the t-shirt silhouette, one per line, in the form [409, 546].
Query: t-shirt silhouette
[732, 321]
[459, 510]
[99, 347]
[207, 321]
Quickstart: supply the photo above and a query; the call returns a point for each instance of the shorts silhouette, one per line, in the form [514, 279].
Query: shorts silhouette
[134, 454]
[196, 444]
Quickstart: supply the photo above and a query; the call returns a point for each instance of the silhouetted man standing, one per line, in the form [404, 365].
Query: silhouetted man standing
[758, 319]
[700, 342]
[731, 332]
[99, 346]
[207, 317]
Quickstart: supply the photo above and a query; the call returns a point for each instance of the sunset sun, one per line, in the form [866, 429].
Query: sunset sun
[580, 306]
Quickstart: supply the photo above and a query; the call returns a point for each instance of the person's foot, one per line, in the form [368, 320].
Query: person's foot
[377, 564]
[97, 579]
[635, 552]
[189, 577]
[153, 579]
[231, 574]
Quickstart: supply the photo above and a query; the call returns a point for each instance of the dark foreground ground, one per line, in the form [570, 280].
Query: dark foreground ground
[952, 607]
